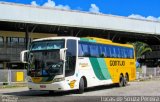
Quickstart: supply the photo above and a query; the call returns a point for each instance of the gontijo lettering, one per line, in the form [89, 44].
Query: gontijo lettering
[117, 63]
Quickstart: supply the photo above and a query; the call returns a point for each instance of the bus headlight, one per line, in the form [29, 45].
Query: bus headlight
[58, 79]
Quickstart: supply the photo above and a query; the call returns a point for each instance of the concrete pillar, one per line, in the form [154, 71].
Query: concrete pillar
[144, 68]
[26, 37]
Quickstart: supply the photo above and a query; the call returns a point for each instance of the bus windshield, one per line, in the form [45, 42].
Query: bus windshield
[47, 45]
[45, 63]
[44, 58]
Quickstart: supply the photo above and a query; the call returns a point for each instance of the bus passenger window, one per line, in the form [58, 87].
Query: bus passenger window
[85, 50]
[107, 51]
[102, 52]
[94, 51]
[125, 53]
[130, 53]
[80, 51]
[118, 52]
[112, 52]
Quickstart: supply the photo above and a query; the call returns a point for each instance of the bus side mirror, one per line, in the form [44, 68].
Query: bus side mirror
[62, 54]
[23, 56]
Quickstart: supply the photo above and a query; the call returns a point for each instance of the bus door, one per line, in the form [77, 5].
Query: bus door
[71, 57]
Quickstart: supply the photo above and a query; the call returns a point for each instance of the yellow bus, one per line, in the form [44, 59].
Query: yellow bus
[72, 63]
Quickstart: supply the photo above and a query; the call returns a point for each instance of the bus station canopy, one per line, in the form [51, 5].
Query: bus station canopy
[11, 12]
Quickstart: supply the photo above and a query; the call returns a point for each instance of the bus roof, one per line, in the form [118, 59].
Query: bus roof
[59, 37]
[86, 39]
[104, 41]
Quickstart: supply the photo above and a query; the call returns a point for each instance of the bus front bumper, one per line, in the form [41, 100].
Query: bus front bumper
[57, 86]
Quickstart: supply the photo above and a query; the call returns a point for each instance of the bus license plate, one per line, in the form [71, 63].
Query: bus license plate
[42, 86]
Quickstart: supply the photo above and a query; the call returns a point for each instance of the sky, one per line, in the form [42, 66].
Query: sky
[139, 9]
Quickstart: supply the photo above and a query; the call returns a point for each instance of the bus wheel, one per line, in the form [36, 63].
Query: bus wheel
[81, 86]
[121, 81]
[51, 92]
[126, 79]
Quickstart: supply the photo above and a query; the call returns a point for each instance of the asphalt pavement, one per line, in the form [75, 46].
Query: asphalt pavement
[107, 93]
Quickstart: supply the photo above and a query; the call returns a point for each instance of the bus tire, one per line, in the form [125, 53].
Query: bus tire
[51, 92]
[81, 86]
[126, 79]
[121, 81]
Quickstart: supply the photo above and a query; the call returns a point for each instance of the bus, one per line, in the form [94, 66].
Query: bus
[72, 63]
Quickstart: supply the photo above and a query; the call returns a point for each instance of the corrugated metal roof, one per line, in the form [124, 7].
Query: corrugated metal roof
[49, 16]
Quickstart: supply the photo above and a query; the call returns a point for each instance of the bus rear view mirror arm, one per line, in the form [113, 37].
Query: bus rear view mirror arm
[23, 56]
[62, 54]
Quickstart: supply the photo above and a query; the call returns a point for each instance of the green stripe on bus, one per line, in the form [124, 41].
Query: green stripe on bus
[104, 68]
[96, 68]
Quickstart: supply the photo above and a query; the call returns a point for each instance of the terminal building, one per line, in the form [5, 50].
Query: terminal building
[20, 24]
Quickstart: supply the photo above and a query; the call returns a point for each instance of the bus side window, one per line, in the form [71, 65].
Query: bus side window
[128, 54]
[124, 52]
[117, 52]
[112, 52]
[94, 52]
[131, 53]
[121, 53]
[107, 53]
[101, 51]
[85, 50]
[80, 51]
